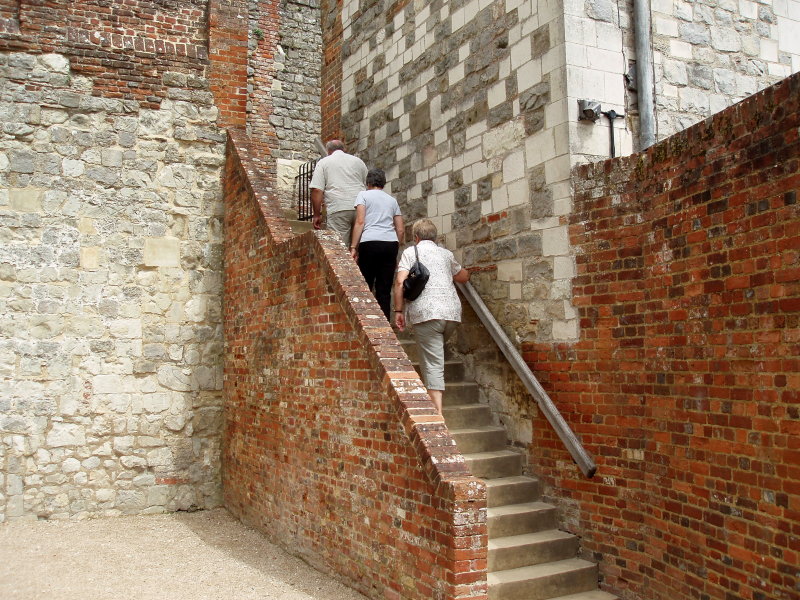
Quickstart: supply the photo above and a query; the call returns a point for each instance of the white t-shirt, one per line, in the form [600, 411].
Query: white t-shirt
[340, 176]
[380, 211]
[439, 299]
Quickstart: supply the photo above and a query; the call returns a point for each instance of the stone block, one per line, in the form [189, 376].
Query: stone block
[65, 434]
[28, 200]
[565, 330]
[514, 167]
[509, 271]
[162, 252]
[555, 241]
[90, 258]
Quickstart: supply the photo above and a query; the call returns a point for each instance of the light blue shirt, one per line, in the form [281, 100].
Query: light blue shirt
[381, 209]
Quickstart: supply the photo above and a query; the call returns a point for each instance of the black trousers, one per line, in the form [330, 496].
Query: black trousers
[377, 261]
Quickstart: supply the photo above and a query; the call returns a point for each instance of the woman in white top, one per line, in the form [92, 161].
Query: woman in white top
[436, 312]
[377, 232]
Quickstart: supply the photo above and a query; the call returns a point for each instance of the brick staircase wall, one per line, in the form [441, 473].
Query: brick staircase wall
[685, 381]
[331, 446]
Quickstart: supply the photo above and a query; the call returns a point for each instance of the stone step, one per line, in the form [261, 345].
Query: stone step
[518, 519]
[460, 392]
[467, 416]
[412, 350]
[512, 490]
[299, 227]
[514, 551]
[479, 439]
[498, 463]
[290, 214]
[593, 595]
[453, 371]
[543, 582]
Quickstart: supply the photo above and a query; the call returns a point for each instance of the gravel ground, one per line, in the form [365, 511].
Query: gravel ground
[206, 554]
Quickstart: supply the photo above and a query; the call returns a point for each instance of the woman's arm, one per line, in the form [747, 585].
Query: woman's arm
[399, 316]
[400, 229]
[358, 229]
[462, 276]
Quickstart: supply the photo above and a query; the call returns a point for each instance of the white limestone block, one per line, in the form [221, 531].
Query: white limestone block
[162, 252]
[680, 49]
[65, 434]
[563, 267]
[72, 167]
[565, 330]
[27, 200]
[725, 39]
[555, 241]
[125, 328]
[56, 63]
[514, 166]
[666, 26]
[510, 270]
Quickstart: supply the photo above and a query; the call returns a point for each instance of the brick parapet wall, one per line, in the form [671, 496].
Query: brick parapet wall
[331, 444]
[685, 381]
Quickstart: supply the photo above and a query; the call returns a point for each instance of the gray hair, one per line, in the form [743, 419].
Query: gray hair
[334, 145]
[424, 229]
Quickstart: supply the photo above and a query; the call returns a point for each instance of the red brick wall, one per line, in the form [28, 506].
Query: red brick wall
[686, 381]
[331, 69]
[9, 16]
[228, 35]
[125, 48]
[331, 445]
[261, 132]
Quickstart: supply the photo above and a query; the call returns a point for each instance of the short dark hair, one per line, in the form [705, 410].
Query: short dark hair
[376, 178]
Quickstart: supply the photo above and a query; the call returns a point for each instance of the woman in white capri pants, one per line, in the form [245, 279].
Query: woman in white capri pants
[433, 316]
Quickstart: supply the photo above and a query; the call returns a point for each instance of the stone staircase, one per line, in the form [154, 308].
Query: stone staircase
[298, 227]
[529, 557]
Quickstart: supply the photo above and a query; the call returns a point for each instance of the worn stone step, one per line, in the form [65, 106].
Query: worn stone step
[592, 595]
[518, 519]
[479, 439]
[512, 490]
[412, 350]
[460, 392]
[299, 227]
[467, 416]
[514, 551]
[543, 582]
[498, 463]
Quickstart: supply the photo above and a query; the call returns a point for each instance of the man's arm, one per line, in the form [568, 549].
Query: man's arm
[316, 204]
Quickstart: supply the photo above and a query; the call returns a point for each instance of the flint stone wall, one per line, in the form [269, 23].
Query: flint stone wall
[110, 282]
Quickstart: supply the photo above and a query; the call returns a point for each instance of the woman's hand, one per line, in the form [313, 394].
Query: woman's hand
[354, 253]
[400, 320]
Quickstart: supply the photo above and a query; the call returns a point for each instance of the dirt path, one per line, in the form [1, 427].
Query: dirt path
[207, 554]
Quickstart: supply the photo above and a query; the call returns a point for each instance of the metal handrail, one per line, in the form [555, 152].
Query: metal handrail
[568, 437]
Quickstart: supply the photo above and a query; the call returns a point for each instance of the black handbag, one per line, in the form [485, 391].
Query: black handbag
[417, 278]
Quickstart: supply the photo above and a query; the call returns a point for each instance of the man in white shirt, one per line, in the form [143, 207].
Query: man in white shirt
[337, 180]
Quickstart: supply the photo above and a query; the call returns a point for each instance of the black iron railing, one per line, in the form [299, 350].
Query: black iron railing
[303, 192]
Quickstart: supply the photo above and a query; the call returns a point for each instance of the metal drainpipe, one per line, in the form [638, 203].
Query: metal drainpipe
[644, 73]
